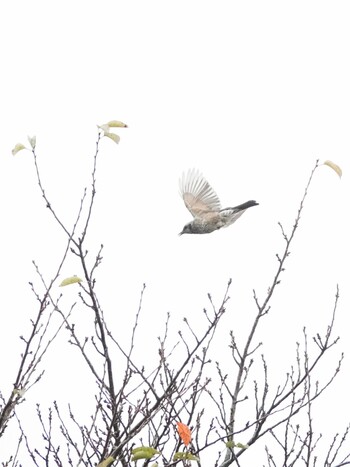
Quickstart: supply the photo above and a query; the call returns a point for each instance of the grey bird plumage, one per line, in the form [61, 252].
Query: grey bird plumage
[204, 205]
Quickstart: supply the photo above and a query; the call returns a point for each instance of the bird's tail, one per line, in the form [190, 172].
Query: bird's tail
[242, 207]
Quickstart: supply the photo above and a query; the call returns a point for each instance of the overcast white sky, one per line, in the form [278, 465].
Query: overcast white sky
[250, 93]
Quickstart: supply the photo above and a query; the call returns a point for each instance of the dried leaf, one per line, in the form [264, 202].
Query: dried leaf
[113, 136]
[117, 124]
[17, 148]
[70, 280]
[335, 167]
[184, 432]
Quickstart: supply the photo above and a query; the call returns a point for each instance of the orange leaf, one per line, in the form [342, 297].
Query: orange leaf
[184, 432]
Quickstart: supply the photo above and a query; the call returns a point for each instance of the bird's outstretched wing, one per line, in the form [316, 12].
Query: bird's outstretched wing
[199, 197]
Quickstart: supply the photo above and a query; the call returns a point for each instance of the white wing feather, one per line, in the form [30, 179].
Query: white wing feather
[199, 197]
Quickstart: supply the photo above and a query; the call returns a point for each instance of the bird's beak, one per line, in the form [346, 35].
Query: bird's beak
[180, 233]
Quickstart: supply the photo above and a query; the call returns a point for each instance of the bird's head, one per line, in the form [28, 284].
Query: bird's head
[187, 229]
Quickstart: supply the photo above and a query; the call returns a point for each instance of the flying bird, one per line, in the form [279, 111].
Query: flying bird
[204, 205]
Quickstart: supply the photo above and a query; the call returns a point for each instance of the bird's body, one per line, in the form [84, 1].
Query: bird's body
[204, 205]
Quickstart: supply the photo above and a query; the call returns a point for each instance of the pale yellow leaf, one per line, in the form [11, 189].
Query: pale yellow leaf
[70, 280]
[143, 452]
[335, 167]
[185, 456]
[113, 136]
[104, 127]
[32, 141]
[106, 462]
[117, 124]
[19, 392]
[242, 446]
[17, 148]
